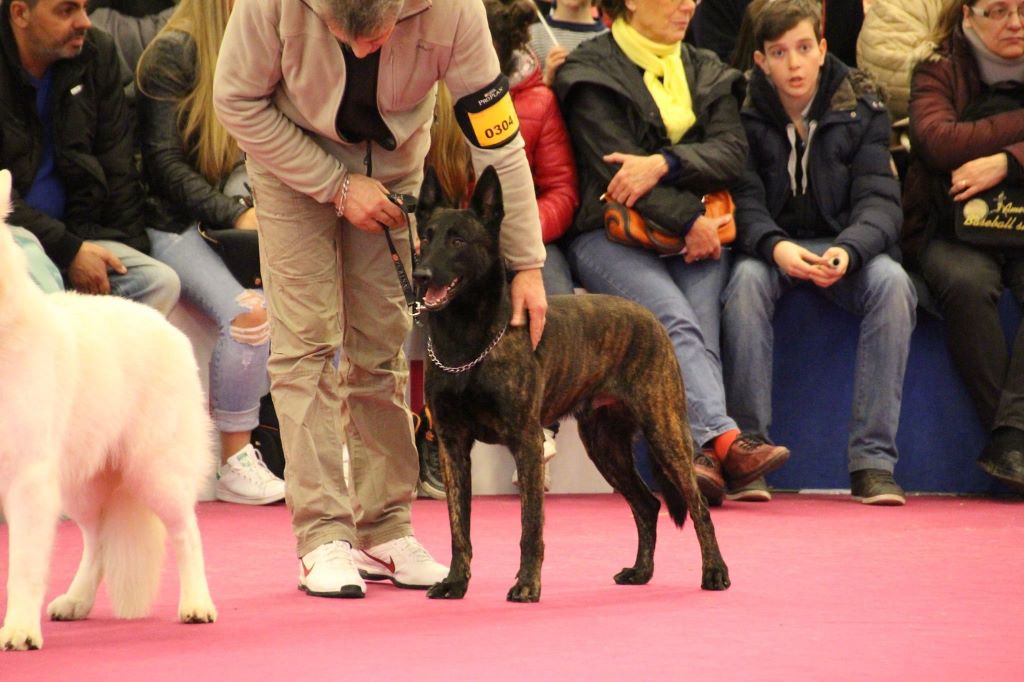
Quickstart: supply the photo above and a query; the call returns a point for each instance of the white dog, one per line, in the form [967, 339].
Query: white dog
[102, 415]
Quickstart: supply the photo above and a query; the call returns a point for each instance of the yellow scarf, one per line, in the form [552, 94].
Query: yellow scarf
[663, 75]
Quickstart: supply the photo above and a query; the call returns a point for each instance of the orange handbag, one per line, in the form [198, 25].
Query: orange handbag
[625, 226]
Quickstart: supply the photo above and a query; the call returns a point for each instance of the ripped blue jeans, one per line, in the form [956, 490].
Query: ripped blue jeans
[238, 365]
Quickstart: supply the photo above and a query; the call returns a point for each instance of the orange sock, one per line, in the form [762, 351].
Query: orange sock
[723, 442]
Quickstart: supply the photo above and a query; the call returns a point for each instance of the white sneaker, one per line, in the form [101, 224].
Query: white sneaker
[549, 452]
[330, 571]
[403, 561]
[245, 479]
[549, 445]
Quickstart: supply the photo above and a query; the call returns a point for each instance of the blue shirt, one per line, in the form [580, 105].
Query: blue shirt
[47, 192]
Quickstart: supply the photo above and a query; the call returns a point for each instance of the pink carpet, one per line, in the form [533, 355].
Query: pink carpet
[823, 589]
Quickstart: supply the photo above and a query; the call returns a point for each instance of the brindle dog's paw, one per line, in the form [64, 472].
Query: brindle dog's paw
[524, 593]
[715, 578]
[634, 576]
[448, 589]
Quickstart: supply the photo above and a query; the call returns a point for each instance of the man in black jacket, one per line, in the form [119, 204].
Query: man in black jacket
[67, 136]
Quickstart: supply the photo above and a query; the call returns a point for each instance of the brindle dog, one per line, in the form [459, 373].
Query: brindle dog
[603, 359]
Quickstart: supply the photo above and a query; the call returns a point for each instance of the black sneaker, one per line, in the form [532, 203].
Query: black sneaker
[876, 486]
[431, 480]
[755, 491]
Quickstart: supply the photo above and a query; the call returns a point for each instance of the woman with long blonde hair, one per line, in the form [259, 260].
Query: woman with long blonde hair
[195, 170]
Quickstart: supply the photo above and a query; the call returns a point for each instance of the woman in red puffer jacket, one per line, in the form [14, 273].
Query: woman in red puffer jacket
[540, 122]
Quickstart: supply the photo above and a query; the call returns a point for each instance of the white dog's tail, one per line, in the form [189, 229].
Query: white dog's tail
[132, 544]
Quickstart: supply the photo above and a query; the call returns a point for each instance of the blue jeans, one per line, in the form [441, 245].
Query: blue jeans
[556, 274]
[880, 292]
[40, 268]
[147, 281]
[238, 369]
[685, 297]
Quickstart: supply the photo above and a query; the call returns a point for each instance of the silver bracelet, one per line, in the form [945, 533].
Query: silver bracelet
[339, 204]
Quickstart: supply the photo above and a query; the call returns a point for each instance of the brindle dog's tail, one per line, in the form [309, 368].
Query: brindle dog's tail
[673, 497]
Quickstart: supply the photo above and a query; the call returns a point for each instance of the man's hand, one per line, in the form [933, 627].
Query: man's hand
[978, 175]
[88, 270]
[528, 294]
[796, 261]
[556, 57]
[702, 240]
[837, 260]
[636, 176]
[367, 205]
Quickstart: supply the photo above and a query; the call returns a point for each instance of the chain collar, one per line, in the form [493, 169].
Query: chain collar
[469, 365]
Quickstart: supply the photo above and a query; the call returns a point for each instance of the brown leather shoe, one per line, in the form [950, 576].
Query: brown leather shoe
[709, 477]
[750, 457]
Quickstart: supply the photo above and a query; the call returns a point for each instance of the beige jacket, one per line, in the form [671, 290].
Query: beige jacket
[279, 83]
[892, 40]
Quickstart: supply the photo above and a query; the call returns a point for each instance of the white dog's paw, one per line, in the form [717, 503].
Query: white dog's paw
[66, 608]
[197, 613]
[20, 638]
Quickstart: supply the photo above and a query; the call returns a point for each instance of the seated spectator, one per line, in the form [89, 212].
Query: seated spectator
[978, 62]
[716, 26]
[892, 40]
[76, 186]
[40, 268]
[819, 205]
[568, 24]
[132, 23]
[192, 165]
[655, 125]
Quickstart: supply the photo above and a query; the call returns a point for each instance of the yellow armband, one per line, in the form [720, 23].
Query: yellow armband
[487, 117]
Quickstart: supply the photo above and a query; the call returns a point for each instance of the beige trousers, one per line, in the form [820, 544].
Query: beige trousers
[329, 285]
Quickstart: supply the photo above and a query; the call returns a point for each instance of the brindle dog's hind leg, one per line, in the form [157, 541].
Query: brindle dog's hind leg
[458, 482]
[672, 450]
[607, 435]
[528, 453]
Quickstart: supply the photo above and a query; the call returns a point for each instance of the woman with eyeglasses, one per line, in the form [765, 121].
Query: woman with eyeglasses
[967, 136]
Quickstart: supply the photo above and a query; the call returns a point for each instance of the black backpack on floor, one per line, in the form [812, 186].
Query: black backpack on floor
[266, 437]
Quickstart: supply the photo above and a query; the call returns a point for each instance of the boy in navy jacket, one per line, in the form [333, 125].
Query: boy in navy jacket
[819, 206]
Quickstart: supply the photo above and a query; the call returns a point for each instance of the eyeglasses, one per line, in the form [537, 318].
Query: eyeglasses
[997, 13]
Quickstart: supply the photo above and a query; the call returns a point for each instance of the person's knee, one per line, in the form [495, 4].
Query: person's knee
[251, 327]
[166, 286]
[748, 284]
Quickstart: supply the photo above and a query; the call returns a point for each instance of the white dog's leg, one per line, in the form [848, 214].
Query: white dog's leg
[194, 602]
[32, 508]
[179, 518]
[77, 602]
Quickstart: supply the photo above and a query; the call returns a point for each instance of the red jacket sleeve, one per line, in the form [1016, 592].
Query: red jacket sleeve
[551, 159]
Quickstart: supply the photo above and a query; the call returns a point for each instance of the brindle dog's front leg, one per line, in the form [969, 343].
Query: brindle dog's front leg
[530, 464]
[455, 469]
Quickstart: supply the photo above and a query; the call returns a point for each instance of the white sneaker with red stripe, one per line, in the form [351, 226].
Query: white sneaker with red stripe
[403, 561]
[329, 571]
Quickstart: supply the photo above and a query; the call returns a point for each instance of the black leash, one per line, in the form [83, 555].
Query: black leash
[407, 203]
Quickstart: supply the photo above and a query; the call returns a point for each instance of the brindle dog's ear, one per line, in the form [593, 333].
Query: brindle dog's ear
[431, 198]
[486, 201]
